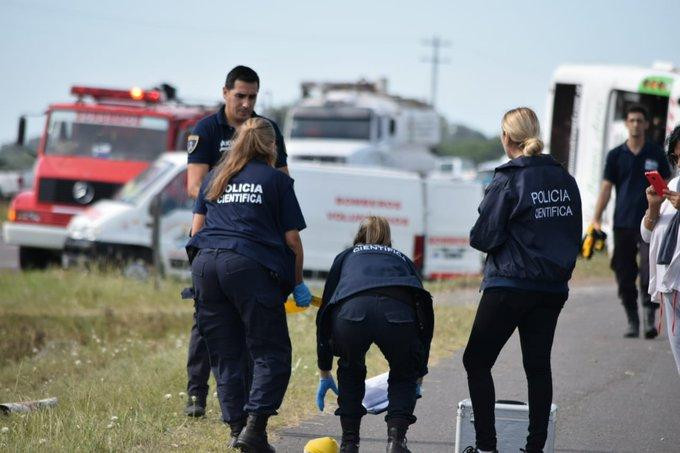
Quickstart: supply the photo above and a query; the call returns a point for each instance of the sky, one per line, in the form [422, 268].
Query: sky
[500, 54]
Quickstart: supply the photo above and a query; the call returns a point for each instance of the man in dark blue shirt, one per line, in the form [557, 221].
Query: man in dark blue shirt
[625, 169]
[212, 135]
[210, 139]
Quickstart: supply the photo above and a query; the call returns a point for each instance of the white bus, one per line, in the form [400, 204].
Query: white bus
[585, 118]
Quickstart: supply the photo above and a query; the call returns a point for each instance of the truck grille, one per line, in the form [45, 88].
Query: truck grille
[62, 191]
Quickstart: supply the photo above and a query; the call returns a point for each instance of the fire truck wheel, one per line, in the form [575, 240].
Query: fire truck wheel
[35, 258]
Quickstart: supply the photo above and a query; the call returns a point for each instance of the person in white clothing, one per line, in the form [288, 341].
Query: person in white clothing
[661, 228]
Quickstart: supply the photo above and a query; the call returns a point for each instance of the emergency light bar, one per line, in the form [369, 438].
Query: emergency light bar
[135, 94]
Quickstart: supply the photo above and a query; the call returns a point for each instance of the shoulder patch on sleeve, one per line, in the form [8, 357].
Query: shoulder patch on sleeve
[192, 143]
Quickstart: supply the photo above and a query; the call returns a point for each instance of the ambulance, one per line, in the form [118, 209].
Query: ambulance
[430, 218]
[585, 119]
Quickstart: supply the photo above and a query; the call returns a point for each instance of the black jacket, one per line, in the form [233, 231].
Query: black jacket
[365, 267]
[529, 225]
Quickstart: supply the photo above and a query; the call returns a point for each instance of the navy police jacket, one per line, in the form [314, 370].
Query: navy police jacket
[364, 267]
[251, 218]
[529, 225]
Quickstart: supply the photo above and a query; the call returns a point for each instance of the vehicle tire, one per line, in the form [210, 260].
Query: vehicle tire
[137, 269]
[35, 258]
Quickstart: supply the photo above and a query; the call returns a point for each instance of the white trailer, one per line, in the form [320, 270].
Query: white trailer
[430, 218]
[585, 118]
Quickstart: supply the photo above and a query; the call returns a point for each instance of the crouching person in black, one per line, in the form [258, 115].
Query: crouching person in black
[530, 227]
[373, 294]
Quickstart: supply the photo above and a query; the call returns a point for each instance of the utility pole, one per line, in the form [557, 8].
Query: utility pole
[436, 43]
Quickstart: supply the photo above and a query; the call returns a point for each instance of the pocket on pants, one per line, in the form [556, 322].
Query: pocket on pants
[400, 316]
[352, 312]
[198, 266]
[270, 299]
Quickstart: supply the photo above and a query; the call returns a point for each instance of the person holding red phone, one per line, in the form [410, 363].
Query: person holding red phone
[660, 227]
[625, 169]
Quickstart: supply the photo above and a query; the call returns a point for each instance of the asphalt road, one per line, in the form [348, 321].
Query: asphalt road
[613, 394]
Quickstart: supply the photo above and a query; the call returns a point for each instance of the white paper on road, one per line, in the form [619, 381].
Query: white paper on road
[375, 398]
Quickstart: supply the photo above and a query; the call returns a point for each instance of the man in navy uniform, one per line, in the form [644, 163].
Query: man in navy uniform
[209, 141]
[625, 169]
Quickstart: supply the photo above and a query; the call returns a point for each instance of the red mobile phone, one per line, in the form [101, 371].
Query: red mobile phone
[656, 181]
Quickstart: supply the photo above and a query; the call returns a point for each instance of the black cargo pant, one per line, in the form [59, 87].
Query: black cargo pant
[500, 312]
[391, 325]
[198, 366]
[240, 313]
[628, 244]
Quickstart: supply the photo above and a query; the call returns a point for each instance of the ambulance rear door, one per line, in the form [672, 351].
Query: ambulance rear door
[451, 212]
[335, 199]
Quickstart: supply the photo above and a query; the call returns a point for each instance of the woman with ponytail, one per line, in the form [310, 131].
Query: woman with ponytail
[246, 227]
[530, 228]
[373, 294]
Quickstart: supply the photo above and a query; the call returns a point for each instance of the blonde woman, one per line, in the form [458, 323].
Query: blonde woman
[530, 227]
[246, 226]
[373, 294]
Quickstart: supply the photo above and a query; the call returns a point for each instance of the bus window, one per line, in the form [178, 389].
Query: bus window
[564, 128]
[657, 106]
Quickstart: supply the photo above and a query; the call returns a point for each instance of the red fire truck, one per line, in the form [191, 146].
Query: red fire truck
[88, 150]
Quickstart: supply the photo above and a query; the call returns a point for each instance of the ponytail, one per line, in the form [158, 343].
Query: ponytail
[254, 140]
[522, 127]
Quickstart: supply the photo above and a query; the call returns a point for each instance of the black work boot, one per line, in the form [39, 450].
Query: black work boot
[396, 435]
[236, 428]
[253, 438]
[195, 406]
[633, 330]
[649, 319]
[350, 434]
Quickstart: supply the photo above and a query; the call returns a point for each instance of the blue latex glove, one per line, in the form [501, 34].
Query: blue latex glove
[324, 385]
[302, 295]
[419, 392]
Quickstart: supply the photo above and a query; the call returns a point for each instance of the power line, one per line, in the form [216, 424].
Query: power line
[436, 43]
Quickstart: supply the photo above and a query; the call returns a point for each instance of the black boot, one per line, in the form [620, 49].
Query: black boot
[649, 322]
[236, 428]
[253, 438]
[350, 434]
[633, 330]
[195, 406]
[396, 435]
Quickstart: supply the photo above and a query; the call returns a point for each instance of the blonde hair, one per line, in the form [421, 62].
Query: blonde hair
[254, 140]
[374, 230]
[522, 128]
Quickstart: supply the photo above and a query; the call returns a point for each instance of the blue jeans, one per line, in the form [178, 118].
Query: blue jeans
[239, 310]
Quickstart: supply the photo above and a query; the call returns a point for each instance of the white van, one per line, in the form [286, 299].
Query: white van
[585, 118]
[334, 199]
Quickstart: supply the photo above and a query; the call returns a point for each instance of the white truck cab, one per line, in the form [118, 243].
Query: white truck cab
[361, 124]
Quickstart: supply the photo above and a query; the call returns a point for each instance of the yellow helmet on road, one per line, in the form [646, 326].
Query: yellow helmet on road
[322, 445]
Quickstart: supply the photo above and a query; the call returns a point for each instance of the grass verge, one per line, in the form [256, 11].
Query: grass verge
[113, 351]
